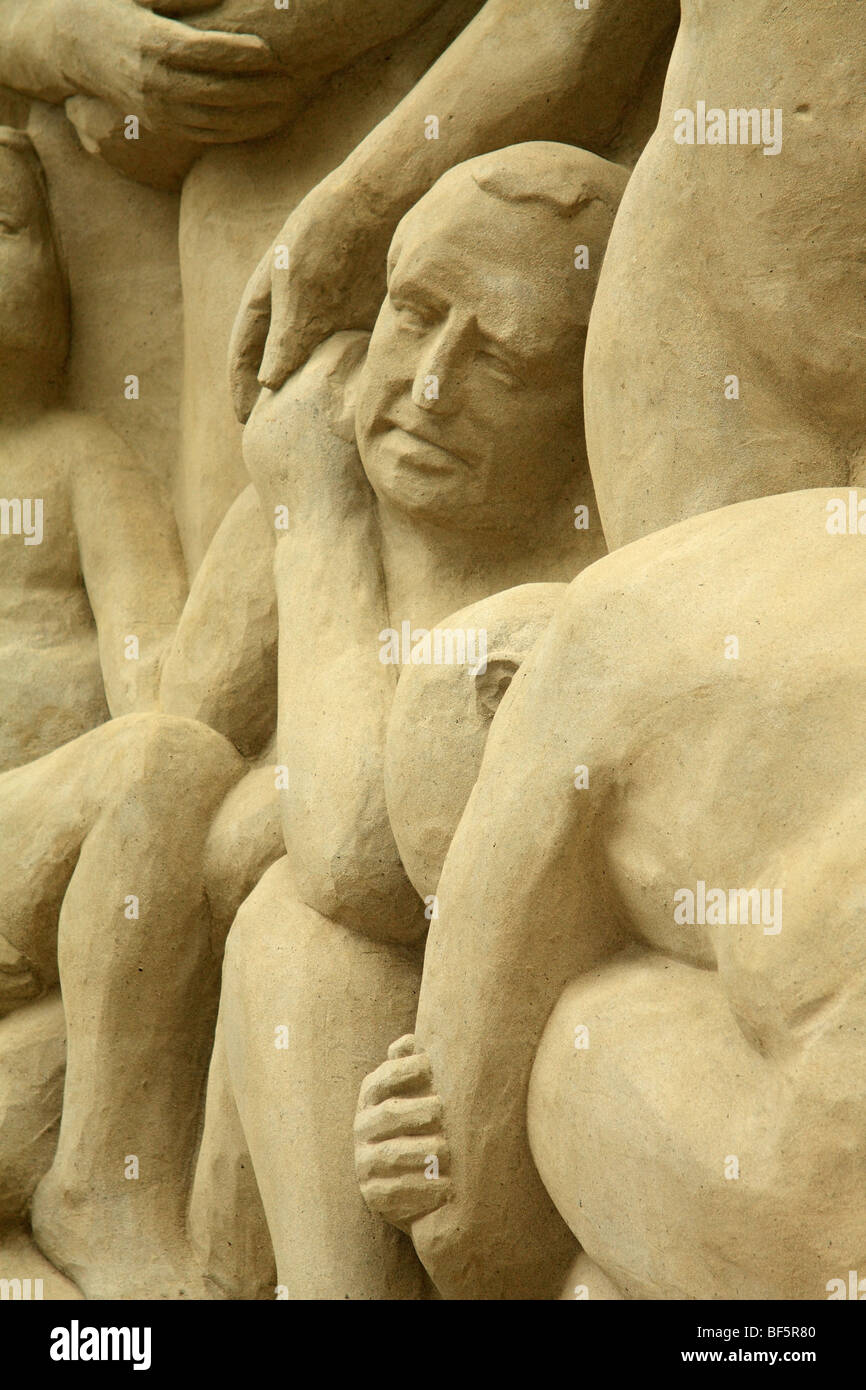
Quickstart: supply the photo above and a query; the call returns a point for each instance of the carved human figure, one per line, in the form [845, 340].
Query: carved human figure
[141, 839]
[465, 419]
[92, 581]
[640, 1023]
[91, 592]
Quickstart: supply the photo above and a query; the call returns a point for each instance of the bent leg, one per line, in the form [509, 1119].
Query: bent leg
[309, 1009]
[226, 1220]
[140, 983]
[689, 1163]
[47, 808]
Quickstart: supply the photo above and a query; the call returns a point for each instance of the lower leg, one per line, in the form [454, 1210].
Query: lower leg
[140, 986]
[309, 1008]
[226, 1221]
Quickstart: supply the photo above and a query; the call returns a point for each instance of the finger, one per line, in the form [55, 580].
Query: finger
[289, 346]
[398, 1115]
[399, 1157]
[242, 89]
[403, 1200]
[218, 120]
[280, 357]
[249, 332]
[403, 1047]
[202, 50]
[396, 1078]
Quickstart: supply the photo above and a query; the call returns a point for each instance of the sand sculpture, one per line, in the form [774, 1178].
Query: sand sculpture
[430, 809]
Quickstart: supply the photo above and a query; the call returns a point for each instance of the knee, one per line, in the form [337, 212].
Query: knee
[244, 840]
[259, 922]
[165, 757]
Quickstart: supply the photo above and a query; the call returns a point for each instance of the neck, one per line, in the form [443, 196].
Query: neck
[433, 570]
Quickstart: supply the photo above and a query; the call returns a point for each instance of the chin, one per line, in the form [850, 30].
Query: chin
[432, 496]
[425, 502]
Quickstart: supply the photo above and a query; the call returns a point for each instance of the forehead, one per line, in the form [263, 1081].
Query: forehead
[510, 267]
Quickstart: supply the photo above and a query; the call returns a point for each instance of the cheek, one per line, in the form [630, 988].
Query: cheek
[381, 382]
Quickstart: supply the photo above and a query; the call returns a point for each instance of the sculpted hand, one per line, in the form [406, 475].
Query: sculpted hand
[205, 87]
[335, 280]
[299, 443]
[401, 1154]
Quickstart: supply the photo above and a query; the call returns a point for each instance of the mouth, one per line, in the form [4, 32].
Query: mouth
[439, 459]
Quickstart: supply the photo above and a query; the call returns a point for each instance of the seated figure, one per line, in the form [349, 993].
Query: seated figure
[91, 592]
[405, 478]
[640, 1022]
[452, 472]
[92, 580]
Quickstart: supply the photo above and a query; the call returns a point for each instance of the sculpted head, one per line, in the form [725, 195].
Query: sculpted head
[470, 402]
[34, 307]
[440, 720]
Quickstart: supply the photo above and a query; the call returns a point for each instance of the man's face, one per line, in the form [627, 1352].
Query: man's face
[469, 407]
[32, 311]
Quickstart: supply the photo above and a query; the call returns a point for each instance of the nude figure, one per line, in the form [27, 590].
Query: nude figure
[91, 560]
[93, 564]
[455, 500]
[704, 1136]
[123, 858]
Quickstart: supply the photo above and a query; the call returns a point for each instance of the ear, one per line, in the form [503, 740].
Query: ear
[492, 683]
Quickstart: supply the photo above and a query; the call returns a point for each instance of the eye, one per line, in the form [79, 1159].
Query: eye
[8, 225]
[413, 317]
[498, 367]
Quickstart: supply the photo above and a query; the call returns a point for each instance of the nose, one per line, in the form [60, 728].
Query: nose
[441, 371]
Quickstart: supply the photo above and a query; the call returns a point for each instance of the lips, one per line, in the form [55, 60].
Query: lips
[428, 442]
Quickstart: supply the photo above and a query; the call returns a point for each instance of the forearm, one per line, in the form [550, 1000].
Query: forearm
[29, 60]
[520, 914]
[518, 72]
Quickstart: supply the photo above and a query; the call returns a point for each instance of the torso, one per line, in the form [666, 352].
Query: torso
[736, 262]
[51, 687]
